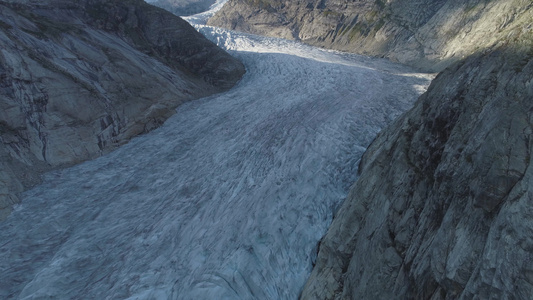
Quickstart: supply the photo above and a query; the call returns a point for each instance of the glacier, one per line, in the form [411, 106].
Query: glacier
[226, 200]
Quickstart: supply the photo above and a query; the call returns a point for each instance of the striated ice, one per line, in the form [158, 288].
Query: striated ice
[227, 200]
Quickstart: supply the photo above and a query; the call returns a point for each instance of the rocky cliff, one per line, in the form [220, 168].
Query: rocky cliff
[443, 207]
[79, 78]
[428, 34]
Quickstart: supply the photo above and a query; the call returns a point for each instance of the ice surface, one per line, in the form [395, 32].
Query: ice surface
[227, 200]
[201, 18]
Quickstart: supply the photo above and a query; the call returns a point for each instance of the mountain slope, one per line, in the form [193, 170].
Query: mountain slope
[427, 34]
[79, 78]
[443, 205]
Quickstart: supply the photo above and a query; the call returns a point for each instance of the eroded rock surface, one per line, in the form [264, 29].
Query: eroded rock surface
[427, 34]
[443, 207]
[79, 78]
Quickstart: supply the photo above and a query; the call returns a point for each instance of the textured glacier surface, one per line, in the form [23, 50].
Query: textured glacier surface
[227, 200]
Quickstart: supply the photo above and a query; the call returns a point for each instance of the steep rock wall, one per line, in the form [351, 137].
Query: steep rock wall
[79, 78]
[443, 207]
[427, 34]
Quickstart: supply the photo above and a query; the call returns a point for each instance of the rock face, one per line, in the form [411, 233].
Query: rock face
[79, 78]
[443, 207]
[428, 34]
[184, 7]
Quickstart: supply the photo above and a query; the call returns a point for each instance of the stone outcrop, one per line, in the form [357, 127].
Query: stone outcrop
[184, 7]
[443, 207]
[427, 34]
[79, 78]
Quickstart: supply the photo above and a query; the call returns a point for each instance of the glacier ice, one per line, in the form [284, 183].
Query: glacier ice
[227, 200]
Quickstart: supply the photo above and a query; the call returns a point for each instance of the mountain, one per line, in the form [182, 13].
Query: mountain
[79, 78]
[443, 205]
[184, 7]
[426, 34]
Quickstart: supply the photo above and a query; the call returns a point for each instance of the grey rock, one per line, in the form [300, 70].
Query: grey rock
[443, 205]
[427, 34]
[79, 78]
